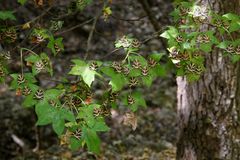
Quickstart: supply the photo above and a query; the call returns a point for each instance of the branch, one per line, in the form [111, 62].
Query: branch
[152, 19]
[122, 19]
[91, 34]
[74, 27]
[38, 17]
[115, 50]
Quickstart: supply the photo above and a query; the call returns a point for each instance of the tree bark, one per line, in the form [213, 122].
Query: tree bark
[209, 109]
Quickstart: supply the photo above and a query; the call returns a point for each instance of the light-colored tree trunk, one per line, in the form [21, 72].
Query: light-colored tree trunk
[209, 109]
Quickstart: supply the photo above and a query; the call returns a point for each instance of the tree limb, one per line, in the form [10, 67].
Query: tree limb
[152, 19]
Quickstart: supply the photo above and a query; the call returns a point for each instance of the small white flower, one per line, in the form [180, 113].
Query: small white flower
[124, 42]
[200, 12]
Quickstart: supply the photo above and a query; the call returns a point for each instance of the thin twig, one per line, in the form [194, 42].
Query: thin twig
[65, 15]
[41, 15]
[38, 17]
[29, 50]
[122, 19]
[37, 136]
[58, 81]
[152, 19]
[21, 56]
[91, 34]
[155, 35]
[74, 27]
[115, 50]
[23, 41]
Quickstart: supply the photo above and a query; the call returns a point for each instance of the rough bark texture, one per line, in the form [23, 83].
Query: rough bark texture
[209, 109]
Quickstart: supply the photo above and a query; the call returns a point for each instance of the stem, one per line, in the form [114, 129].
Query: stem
[124, 60]
[38, 17]
[21, 55]
[74, 27]
[26, 49]
[81, 100]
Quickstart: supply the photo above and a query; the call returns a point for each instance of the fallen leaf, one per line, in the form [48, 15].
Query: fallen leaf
[26, 25]
[38, 2]
[130, 119]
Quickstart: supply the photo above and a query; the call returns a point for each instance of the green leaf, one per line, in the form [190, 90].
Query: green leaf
[186, 45]
[138, 101]
[48, 66]
[206, 47]
[192, 35]
[117, 82]
[192, 77]
[45, 113]
[134, 72]
[75, 143]
[68, 115]
[147, 80]
[107, 10]
[86, 113]
[213, 39]
[48, 114]
[52, 94]
[141, 59]
[81, 4]
[159, 70]
[4, 15]
[92, 140]
[82, 69]
[109, 71]
[156, 56]
[30, 79]
[41, 32]
[29, 101]
[223, 45]
[51, 45]
[235, 58]
[52, 42]
[14, 83]
[33, 58]
[33, 87]
[59, 42]
[231, 16]
[22, 2]
[100, 125]
[234, 26]
[172, 32]
[175, 14]
[58, 123]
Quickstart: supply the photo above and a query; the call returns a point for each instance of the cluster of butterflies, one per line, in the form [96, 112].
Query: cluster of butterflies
[231, 49]
[8, 35]
[119, 68]
[4, 57]
[39, 94]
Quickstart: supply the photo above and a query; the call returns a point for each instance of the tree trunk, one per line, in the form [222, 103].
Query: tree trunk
[209, 110]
